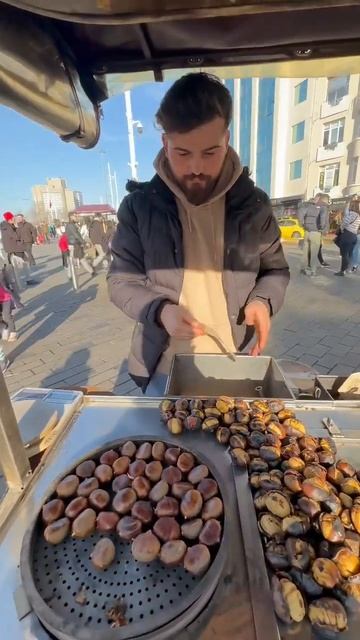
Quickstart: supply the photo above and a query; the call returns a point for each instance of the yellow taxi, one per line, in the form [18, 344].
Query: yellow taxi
[290, 228]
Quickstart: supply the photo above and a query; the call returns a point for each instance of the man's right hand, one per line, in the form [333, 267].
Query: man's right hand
[179, 323]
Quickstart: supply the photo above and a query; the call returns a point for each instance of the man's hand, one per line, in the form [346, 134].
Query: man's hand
[179, 323]
[257, 315]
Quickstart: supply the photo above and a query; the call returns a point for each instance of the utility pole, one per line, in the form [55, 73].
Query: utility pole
[111, 185]
[130, 126]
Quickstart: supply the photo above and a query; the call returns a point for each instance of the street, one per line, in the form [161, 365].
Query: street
[76, 338]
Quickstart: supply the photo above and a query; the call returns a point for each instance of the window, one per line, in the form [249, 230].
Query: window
[301, 92]
[298, 132]
[295, 169]
[353, 170]
[333, 133]
[337, 88]
[329, 177]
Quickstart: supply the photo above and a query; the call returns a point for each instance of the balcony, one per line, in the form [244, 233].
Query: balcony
[330, 152]
[328, 109]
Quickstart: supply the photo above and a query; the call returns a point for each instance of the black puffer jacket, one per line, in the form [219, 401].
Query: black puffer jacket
[10, 238]
[148, 263]
[73, 234]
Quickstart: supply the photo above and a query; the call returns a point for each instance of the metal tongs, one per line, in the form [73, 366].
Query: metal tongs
[212, 333]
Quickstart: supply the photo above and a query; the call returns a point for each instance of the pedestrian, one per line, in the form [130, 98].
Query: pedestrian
[110, 229]
[355, 256]
[197, 249]
[76, 244]
[7, 305]
[323, 200]
[27, 234]
[97, 237]
[313, 217]
[63, 245]
[15, 250]
[346, 238]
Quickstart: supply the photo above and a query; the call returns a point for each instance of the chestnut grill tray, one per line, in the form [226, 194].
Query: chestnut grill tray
[158, 599]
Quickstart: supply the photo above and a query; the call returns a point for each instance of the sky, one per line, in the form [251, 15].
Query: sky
[30, 153]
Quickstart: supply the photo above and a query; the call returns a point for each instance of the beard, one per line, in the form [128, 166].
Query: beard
[197, 188]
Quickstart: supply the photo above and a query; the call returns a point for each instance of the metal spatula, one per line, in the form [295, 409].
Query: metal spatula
[212, 333]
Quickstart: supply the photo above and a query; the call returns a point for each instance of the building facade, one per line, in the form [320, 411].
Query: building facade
[301, 136]
[54, 200]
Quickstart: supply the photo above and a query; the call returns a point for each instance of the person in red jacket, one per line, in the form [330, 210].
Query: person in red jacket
[63, 245]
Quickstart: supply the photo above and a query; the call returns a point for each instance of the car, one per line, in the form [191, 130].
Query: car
[290, 229]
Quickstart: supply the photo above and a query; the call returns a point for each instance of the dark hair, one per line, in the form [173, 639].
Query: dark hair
[194, 100]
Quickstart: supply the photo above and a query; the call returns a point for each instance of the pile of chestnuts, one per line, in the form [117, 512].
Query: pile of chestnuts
[307, 504]
[159, 498]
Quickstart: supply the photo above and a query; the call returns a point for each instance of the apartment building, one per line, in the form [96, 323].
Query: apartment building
[301, 136]
[54, 200]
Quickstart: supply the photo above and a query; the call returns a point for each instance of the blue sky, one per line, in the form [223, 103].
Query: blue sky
[30, 153]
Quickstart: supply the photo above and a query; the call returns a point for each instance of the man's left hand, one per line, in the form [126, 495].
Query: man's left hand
[257, 315]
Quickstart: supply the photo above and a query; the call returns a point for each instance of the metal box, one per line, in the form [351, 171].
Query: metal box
[214, 375]
[331, 385]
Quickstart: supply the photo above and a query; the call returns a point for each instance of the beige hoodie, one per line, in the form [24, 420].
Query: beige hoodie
[203, 241]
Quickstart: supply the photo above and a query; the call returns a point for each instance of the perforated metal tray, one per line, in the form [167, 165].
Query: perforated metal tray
[154, 595]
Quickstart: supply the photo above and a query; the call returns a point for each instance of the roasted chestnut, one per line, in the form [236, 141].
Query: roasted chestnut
[84, 525]
[225, 404]
[256, 439]
[285, 414]
[306, 583]
[288, 602]
[186, 462]
[296, 525]
[120, 482]
[294, 464]
[347, 562]
[106, 521]
[326, 458]
[309, 442]
[294, 427]
[171, 455]
[345, 500]
[290, 451]
[268, 482]
[159, 490]
[223, 435]
[351, 486]
[57, 531]
[208, 488]
[315, 488]
[103, 473]
[109, 457]
[103, 554]
[293, 481]
[175, 426]
[179, 489]
[191, 529]
[191, 504]
[98, 499]
[167, 507]
[198, 473]
[276, 555]
[167, 405]
[85, 469]
[259, 500]
[158, 451]
[121, 465]
[124, 501]
[309, 456]
[192, 423]
[153, 470]
[68, 486]
[327, 444]
[171, 475]
[309, 506]
[172, 553]
[352, 587]
[240, 457]
[331, 527]
[141, 486]
[87, 486]
[355, 516]
[327, 616]
[210, 533]
[146, 547]
[128, 528]
[136, 469]
[314, 471]
[53, 510]
[210, 424]
[269, 453]
[144, 451]
[239, 428]
[258, 464]
[213, 508]
[128, 449]
[228, 418]
[352, 542]
[333, 504]
[197, 559]
[300, 553]
[167, 528]
[143, 511]
[346, 468]
[325, 572]
[278, 504]
[275, 406]
[270, 525]
[196, 403]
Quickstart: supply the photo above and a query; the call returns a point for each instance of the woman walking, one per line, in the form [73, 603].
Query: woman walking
[347, 238]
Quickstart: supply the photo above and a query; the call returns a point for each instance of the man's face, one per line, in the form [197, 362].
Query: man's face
[19, 219]
[197, 157]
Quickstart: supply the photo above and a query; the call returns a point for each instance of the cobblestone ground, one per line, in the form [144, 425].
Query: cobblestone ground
[77, 338]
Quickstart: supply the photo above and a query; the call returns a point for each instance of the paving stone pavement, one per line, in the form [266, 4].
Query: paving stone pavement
[76, 338]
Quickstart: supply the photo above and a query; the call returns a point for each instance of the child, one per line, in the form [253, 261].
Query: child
[63, 245]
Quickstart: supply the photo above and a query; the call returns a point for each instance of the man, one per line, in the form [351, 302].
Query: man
[313, 216]
[14, 247]
[324, 201]
[198, 245]
[27, 234]
[76, 243]
[97, 237]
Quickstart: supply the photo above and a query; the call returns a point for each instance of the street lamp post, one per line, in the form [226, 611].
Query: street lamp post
[130, 125]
